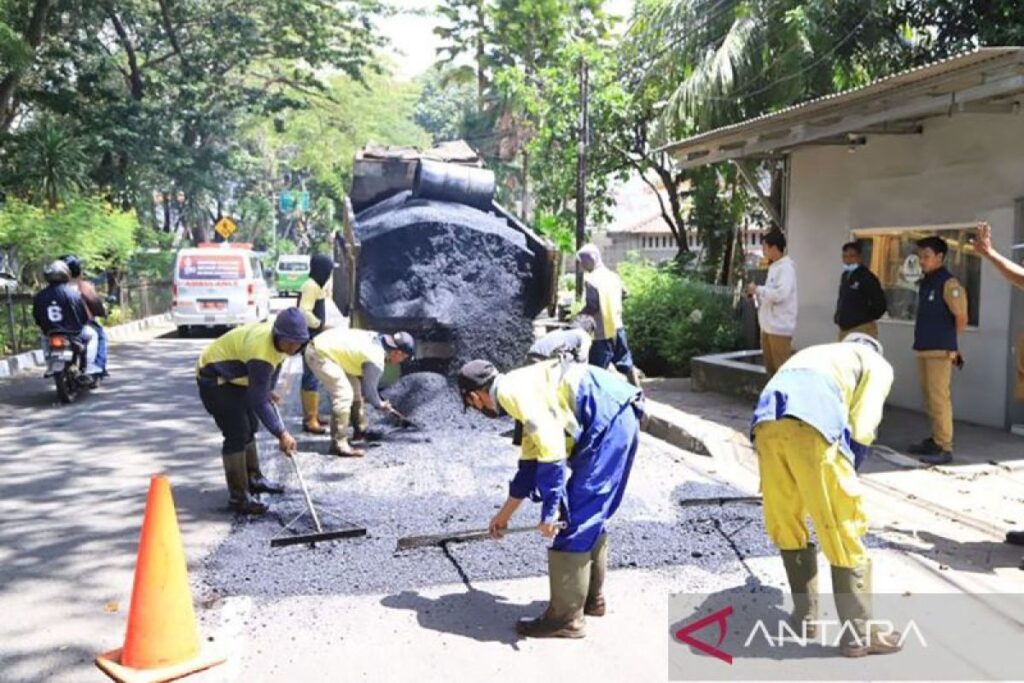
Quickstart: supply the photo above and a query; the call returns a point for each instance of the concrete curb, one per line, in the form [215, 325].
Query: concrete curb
[32, 359]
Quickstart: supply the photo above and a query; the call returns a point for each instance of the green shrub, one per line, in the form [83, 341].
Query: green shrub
[671, 319]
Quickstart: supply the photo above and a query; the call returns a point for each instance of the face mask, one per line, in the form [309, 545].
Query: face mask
[850, 267]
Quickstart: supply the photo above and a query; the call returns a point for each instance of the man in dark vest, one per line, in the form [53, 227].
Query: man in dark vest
[861, 299]
[941, 316]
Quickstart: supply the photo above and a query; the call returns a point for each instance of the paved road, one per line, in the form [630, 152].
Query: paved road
[72, 489]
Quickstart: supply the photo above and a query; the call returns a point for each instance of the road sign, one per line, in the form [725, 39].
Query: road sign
[292, 200]
[225, 227]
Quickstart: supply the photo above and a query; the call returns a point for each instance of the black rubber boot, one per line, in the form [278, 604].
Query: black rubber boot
[802, 572]
[257, 482]
[569, 576]
[852, 589]
[239, 498]
[1015, 537]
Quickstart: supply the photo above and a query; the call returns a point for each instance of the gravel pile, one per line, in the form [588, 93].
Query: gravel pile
[452, 266]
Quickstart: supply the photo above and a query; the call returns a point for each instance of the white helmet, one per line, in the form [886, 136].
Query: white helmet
[866, 340]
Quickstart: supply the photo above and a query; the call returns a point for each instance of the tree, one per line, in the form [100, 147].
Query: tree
[445, 107]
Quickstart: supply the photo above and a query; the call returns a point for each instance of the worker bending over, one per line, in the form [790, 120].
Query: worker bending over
[603, 294]
[582, 430]
[236, 375]
[313, 304]
[812, 427]
[573, 342]
[349, 363]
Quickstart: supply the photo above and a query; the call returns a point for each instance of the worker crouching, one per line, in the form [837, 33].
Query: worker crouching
[582, 427]
[812, 427]
[349, 364]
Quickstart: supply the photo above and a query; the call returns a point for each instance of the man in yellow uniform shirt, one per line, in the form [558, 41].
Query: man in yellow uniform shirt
[812, 427]
[603, 295]
[941, 316]
[582, 428]
[236, 376]
[313, 305]
[349, 363]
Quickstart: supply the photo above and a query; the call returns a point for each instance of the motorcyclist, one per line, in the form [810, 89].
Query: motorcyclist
[93, 304]
[60, 308]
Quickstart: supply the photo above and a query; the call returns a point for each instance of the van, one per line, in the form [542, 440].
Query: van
[217, 285]
[292, 271]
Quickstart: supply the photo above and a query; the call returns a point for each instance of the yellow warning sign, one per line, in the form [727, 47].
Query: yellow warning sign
[225, 227]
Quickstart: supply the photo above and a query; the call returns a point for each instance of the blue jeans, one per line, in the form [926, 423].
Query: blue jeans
[101, 349]
[605, 352]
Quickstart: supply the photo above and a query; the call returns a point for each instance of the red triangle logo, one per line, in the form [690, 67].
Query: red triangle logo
[685, 634]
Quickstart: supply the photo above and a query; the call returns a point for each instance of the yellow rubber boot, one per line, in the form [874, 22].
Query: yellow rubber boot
[311, 413]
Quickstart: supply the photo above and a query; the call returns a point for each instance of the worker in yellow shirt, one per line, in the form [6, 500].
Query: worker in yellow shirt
[582, 428]
[349, 363]
[941, 316]
[313, 304]
[603, 295]
[236, 376]
[812, 427]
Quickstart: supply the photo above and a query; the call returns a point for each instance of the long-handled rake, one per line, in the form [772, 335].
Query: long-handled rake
[319, 534]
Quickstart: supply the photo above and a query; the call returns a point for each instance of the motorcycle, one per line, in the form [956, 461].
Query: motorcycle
[65, 362]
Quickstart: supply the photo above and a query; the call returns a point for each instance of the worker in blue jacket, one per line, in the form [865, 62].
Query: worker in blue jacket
[582, 427]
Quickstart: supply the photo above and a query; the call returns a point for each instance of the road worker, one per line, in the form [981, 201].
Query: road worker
[603, 294]
[1014, 274]
[313, 304]
[236, 376]
[812, 427]
[941, 316]
[573, 342]
[582, 427]
[350, 363]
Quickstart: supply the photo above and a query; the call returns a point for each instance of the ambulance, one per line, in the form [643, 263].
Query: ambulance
[218, 284]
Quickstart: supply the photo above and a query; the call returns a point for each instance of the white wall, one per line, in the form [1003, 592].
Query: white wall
[961, 169]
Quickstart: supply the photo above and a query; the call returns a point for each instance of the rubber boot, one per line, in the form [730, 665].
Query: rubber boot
[239, 498]
[569, 576]
[595, 605]
[360, 426]
[257, 482]
[311, 413]
[852, 588]
[339, 444]
[802, 572]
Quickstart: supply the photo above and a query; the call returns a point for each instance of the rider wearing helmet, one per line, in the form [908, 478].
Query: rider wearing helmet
[93, 304]
[60, 308]
[236, 376]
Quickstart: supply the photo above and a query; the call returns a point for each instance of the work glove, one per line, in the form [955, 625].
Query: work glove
[958, 361]
[860, 453]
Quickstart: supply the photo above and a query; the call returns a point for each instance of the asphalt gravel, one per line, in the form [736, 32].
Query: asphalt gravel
[450, 477]
[452, 267]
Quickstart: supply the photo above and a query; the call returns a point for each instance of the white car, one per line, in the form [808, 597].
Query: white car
[217, 285]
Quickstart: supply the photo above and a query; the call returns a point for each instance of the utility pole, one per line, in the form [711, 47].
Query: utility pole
[583, 132]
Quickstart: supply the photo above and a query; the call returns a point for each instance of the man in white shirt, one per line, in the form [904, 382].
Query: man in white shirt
[776, 303]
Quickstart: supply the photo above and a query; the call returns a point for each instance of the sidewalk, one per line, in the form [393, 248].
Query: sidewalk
[982, 489]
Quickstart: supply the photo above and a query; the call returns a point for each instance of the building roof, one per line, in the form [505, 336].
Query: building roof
[653, 224]
[985, 80]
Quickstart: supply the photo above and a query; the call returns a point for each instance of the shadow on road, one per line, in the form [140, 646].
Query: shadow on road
[476, 614]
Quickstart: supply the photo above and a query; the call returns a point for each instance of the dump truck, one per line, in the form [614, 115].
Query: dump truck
[426, 248]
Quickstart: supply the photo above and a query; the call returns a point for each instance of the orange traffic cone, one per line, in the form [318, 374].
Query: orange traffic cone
[162, 641]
